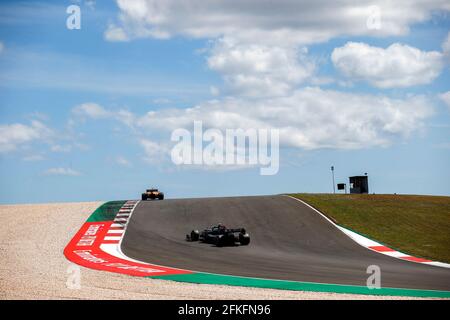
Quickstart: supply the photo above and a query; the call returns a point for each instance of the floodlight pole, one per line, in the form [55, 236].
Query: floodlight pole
[332, 174]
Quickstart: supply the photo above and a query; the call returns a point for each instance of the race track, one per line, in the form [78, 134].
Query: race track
[289, 242]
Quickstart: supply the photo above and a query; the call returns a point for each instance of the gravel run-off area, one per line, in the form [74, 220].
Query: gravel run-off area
[32, 240]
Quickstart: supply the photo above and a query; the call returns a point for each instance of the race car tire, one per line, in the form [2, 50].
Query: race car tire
[244, 239]
[195, 235]
[219, 241]
[144, 197]
[161, 196]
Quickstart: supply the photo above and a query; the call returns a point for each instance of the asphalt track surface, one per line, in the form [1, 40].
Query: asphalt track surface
[289, 241]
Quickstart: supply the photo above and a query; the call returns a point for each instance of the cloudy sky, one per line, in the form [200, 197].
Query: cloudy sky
[87, 114]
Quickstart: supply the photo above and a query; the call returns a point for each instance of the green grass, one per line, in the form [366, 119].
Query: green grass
[417, 225]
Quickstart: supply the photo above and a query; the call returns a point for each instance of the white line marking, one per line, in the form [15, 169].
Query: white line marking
[113, 238]
[117, 250]
[116, 231]
[395, 254]
[438, 264]
[366, 242]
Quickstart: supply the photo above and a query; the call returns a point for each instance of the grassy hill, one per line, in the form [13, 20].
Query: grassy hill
[417, 225]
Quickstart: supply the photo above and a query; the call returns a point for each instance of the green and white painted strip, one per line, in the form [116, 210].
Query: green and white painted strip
[218, 279]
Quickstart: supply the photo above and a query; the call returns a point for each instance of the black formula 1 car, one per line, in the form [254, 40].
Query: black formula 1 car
[221, 236]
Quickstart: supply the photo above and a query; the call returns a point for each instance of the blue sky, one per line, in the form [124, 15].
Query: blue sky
[342, 94]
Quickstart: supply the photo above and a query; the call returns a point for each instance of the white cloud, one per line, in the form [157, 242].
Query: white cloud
[2, 47]
[309, 118]
[82, 146]
[90, 4]
[299, 21]
[126, 117]
[120, 160]
[38, 116]
[259, 70]
[95, 111]
[258, 48]
[214, 91]
[154, 152]
[91, 110]
[33, 158]
[61, 148]
[13, 136]
[115, 34]
[445, 97]
[62, 172]
[161, 101]
[396, 66]
[446, 45]
[258, 45]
